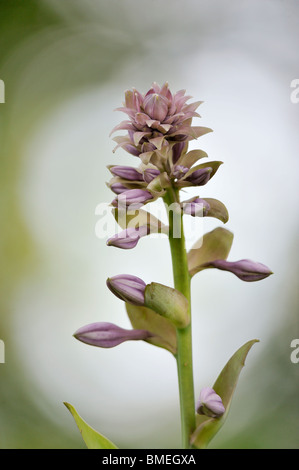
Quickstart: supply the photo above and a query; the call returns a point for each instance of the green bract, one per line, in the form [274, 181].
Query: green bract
[167, 302]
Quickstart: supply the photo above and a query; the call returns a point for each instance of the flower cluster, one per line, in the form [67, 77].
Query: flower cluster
[158, 132]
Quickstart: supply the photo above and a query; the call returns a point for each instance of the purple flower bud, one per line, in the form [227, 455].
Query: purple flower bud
[149, 174]
[156, 106]
[147, 147]
[177, 151]
[210, 404]
[108, 335]
[128, 288]
[200, 177]
[126, 172]
[179, 171]
[245, 269]
[118, 188]
[137, 197]
[131, 149]
[197, 208]
[128, 238]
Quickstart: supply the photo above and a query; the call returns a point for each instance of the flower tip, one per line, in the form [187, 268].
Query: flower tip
[210, 403]
[127, 288]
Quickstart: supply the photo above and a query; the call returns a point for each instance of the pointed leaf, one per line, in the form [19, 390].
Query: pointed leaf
[214, 165]
[214, 245]
[167, 302]
[163, 330]
[138, 218]
[217, 210]
[92, 438]
[224, 386]
[188, 159]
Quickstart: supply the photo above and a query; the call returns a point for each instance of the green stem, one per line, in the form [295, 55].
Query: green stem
[184, 338]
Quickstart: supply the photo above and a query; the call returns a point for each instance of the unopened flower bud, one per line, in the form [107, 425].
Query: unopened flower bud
[128, 288]
[210, 404]
[108, 335]
[177, 151]
[118, 188]
[126, 172]
[128, 238]
[149, 174]
[136, 197]
[156, 106]
[179, 171]
[245, 269]
[197, 208]
[200, 177]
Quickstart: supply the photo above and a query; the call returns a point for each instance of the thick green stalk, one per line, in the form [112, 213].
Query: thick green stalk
[184, 338]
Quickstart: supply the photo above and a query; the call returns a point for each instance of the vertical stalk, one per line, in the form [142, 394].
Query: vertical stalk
[184, 339]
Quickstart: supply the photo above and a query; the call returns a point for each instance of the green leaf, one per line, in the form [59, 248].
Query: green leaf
[167, 302]
[214, 165]
[188, 159]
[92, 438]
[224, 386]
[214, 245]
[138, 218]
[193, 132]
[163, 330]
[217, 209]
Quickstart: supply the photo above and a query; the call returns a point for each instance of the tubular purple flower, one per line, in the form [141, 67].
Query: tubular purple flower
[126, 172]
[108, 335]
[200, 177]
[245, 269]
[128, 238]
[149, 174]
[197, 208]
[136, 197]
[209, 403]
[127, 288]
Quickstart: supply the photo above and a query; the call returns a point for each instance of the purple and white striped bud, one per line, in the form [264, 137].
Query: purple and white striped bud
[136, 197]
[179, 171]
[118, 188]
[149, 174]
[128, 238]
[245, 269]
[126, 172]
[209, 403]
[108, 335]
[200, 177]
[127, 288]
[156, 106]
[197, 208]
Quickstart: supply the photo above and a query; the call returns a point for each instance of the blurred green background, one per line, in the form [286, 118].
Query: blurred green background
[65, 66]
